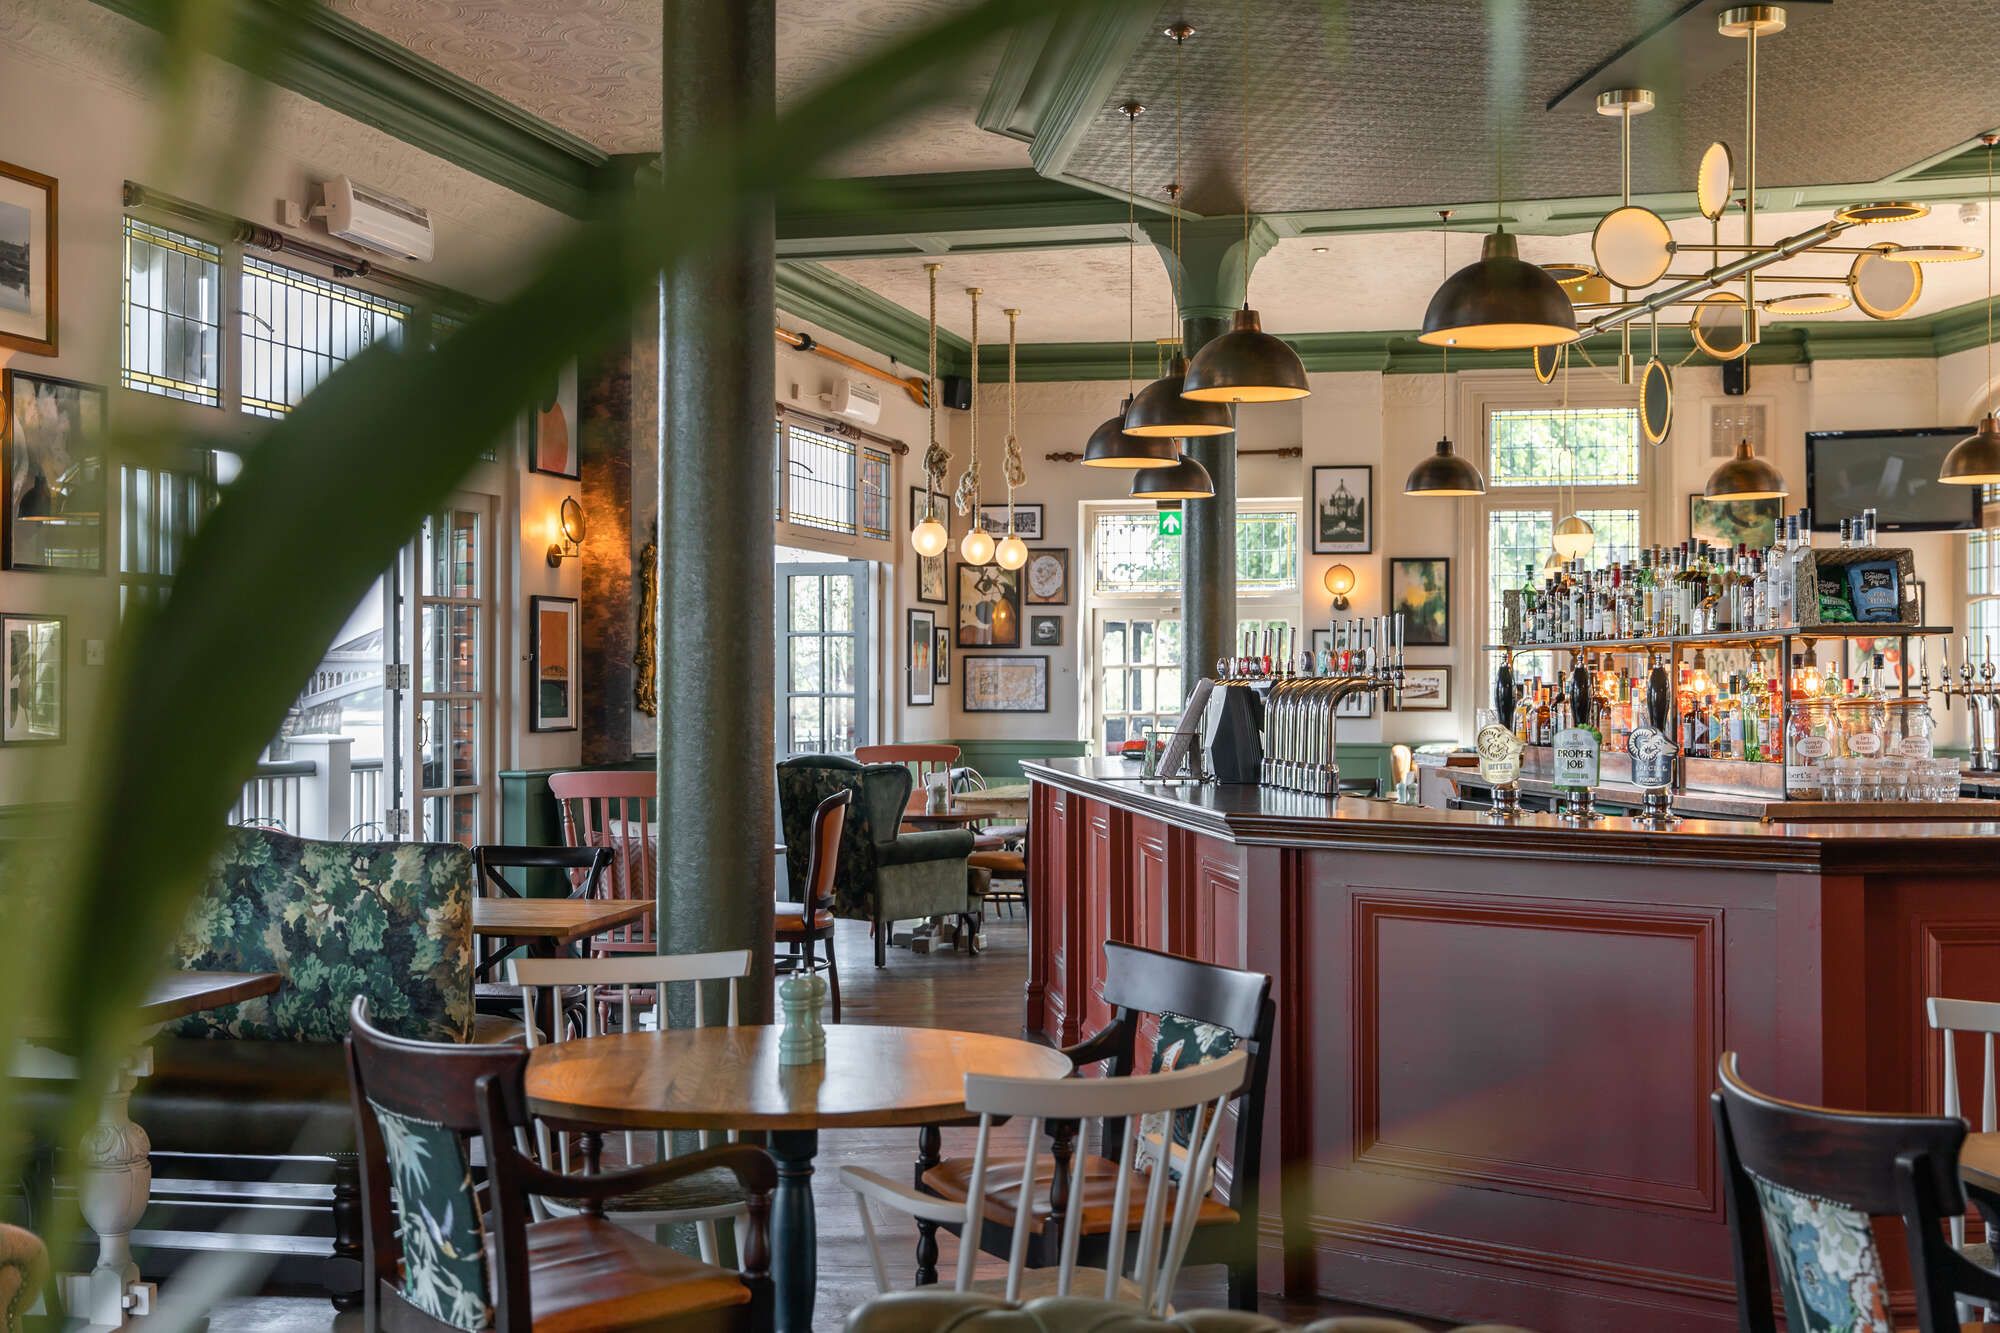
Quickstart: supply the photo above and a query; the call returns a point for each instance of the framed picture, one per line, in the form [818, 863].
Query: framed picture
[995, 684]
[28, 268]
[1343, 510]
[553, 649]
[1045, 631]
[552, 443]
[989, 607]
[941, 655]
[931, 585]
[52, 443]
[1426, 689]
[1359, 704]
[34, 680]
[1027, 520]
[1047, 575]
[922, 691]
[1727, 522]
[1420, 587]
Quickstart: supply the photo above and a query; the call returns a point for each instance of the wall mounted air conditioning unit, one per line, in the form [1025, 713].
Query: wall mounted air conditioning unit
[376, 221]
[857, 400]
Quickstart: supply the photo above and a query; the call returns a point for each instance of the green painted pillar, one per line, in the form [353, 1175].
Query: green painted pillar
[717, 492]
[1211, 272]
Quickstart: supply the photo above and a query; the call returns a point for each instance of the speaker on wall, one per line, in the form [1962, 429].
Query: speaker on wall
[1736, 376]
[954, 391]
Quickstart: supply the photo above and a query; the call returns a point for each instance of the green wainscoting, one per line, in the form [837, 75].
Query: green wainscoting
[1365, 759]
[529, 817]
[1000, 760]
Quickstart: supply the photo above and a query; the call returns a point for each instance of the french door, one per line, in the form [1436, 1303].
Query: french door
[823, 658]
[442, 691]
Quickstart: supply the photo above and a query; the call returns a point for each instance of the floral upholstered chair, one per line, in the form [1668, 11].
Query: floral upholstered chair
[1804, 1185]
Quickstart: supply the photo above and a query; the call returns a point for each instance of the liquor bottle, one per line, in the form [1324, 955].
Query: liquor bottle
[1528, 601]
[1544, 722]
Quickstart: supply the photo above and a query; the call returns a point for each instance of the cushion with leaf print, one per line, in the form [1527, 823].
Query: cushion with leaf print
[1185, 1041]
[438, 1222]
[1829, 1269]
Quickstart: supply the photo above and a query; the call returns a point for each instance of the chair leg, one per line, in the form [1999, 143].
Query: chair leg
[347, 1228]
[1243, 1286]
[881, 942]
[832, 976]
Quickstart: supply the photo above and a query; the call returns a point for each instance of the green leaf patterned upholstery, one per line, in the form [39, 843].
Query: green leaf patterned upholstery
[1185, 1041]
[1829, 1270]
[438, 1220]
[883, 872]
[389, 920]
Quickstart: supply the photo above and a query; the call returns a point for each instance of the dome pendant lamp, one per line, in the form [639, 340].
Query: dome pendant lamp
[977, 546]
[1975, 460]
[1748, 477]
[1185, 480]
[1110, 445]
[1246, 364]
[1444, 474]
[931, 536]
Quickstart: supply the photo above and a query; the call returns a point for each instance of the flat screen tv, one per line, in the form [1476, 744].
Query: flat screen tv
[1893, 472]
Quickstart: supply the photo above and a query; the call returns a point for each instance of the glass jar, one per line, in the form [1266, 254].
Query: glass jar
[1809, 744]
[1864, 725]
[1911, 728]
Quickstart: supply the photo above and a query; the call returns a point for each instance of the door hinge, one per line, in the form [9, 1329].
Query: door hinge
[396, 822]
[396, 676]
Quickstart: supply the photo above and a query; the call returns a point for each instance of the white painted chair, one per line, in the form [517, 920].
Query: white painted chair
[1147, 1104]
[1952, 1017]
[637, 986]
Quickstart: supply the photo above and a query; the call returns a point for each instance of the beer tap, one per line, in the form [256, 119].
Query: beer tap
[1988, 755]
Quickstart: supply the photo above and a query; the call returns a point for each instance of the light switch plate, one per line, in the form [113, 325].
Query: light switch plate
[93, 652]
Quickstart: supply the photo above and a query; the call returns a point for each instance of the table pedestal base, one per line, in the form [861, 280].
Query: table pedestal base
[794, 1232]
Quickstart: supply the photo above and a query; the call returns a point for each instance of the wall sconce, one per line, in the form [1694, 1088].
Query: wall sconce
[1339, 582]
[567, 531]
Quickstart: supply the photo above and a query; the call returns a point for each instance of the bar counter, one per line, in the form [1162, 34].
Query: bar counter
[1496, 1042]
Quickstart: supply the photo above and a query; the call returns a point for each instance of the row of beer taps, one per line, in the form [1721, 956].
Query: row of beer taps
[1301, 710]
[1977, 685]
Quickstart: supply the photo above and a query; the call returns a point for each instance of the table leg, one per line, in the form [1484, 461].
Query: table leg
[795, 1243]
[117, 1178]
[930, 1151]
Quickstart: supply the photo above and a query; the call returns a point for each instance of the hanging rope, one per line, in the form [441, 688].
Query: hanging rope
[936, 461]
[1016, 474]
[967, 496]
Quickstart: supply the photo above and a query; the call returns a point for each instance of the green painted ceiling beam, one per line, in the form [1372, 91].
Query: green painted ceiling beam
[943, 213]
[1053, 80]
[812, 292]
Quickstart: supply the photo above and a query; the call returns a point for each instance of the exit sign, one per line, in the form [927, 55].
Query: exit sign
[1170, 523]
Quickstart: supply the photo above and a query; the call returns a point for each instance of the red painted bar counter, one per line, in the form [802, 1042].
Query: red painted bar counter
[1496, 1043]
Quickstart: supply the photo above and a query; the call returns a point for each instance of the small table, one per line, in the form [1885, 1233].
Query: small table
[1009, 803]
[117, 1167]
[1979, 1162]
[547, 926]
[730, 1078]
[953, 816]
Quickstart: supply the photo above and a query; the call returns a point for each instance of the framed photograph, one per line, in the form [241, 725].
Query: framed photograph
[552, 443]
[52, 446]
[995, 684]
[1027, 520]
[28, 268]
[931, 585]
[1343, 510]
[1727, 522]
[1047, 576]
[1045, 631]
[554, 646]
[922, 690]
[941, 655]
[1420, 587]
[1426, 689]
[34, 680]
[989, 607]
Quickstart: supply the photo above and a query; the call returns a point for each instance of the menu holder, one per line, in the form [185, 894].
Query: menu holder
[1187, 730]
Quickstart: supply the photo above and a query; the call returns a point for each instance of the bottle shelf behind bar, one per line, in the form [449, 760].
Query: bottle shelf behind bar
[1728, 638]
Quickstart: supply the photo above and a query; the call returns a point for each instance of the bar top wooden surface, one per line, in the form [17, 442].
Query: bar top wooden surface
[1253, 815]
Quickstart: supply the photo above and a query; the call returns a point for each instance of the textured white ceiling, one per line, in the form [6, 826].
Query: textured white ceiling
[1064, 295]
[592, 67]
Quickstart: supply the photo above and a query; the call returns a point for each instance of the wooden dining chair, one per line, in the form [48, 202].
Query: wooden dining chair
[616, 809]
[1804, 1186]
[432, 1265]
[803, 927]
[494, 868]
[1981, 1018]
[638, 989]
[1168, 1126]
[924, 761]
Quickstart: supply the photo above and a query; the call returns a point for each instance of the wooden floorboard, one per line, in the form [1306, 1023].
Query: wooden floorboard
[944, 989]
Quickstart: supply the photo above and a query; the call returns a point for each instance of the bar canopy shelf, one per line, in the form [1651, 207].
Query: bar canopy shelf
[1726, 639]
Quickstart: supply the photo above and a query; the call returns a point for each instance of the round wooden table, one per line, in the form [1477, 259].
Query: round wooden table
[1979, 1162]
[730, 1078]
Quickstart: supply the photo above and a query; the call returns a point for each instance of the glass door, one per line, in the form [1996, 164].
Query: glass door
[448, 703]
[823, 657]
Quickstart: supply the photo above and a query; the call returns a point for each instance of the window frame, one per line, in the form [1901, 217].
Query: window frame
[852, 539]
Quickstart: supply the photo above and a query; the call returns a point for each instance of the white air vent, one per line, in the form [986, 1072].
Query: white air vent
[376, 221]
[857, 400]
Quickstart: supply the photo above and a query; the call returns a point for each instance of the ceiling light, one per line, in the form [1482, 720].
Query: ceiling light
[1931, 254]
[1573, 538]
[931, 536]
[1572, 271]
[1806, 303]
[1745, 477]
[1500, 302]
[1894, 210]
[1110, 446]
[1162, 411]
[1185, 480]
[977, 546]
[1975, 460]
[1011, 553]
[1444, 475]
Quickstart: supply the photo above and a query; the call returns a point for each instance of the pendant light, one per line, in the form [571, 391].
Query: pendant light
[1161, 410]
[1501, 301]
[931, 536]
[1975, 460]
[1246, 364]
[977, 546]
[1185, 480]
[1572, 537]
[1012, 552]
[1748, 477]
[1109, 444]
[1444, 474]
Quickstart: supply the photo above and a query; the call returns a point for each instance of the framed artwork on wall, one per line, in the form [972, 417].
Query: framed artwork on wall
[28, 265]
[1420, 587]
[554, 642]
[1045, 631]
[1047, 574]
[922, 692]
[989, 607]
[1426, 689]
[993, 683]
[941, 655]
[52, 446]
[1727, 522]
[1027, 520]
[552, 442]
[931, 585]
[34, 680]
[1343, 510]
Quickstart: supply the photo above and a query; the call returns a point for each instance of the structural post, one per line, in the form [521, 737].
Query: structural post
[717, 492]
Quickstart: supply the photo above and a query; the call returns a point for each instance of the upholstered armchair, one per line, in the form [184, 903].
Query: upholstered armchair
[24, 1269]
[884, 876]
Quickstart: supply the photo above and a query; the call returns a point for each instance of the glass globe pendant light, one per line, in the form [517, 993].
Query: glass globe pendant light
[930, 536]
[977, 546]
[1444, 475]
[1975, 460]
[1012, 552]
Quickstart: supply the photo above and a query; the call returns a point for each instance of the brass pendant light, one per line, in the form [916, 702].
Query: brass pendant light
[1444, 474]
[1110, 445]
[931, 536]
[1572, 536]
[1185, 480]
[1246, 364]
[1975, 460]
[1745, 477]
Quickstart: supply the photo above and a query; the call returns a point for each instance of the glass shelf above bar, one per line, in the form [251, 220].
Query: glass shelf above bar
[1727, 638]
